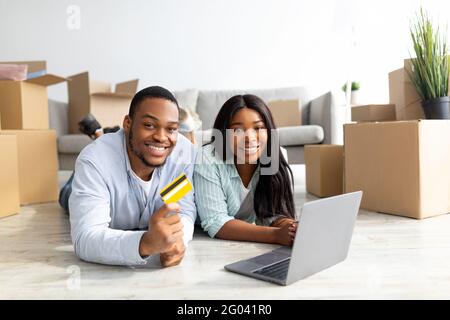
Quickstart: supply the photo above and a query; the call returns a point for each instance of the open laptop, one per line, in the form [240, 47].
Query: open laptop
[323, 239]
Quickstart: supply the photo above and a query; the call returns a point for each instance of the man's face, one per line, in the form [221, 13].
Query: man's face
[153, 131]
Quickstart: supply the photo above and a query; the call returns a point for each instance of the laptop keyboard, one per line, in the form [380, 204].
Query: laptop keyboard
[278, 270]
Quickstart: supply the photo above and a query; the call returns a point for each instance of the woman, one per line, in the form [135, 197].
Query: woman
[236, 199]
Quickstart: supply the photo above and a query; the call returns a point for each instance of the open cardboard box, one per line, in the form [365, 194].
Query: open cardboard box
[96, 97]
[403, 167]
[24, 104]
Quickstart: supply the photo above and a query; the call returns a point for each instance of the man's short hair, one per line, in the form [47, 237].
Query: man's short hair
[148, 93]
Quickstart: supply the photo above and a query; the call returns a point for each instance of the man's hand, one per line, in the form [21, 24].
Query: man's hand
[163, 232]
[174, 256]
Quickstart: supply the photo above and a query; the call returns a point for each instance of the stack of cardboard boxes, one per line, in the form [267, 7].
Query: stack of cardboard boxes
[403, 164]
[400, 161]
[28, 161]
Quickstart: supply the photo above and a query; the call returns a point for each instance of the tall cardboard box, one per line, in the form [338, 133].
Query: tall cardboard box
[96, 97]
[402, 167]
[9, 176]
[324, 169]
[373, 112]
[405, 97]
[286, 113]
[24, 104]
[38, 165]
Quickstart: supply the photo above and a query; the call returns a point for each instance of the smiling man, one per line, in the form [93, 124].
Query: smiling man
[116, 213]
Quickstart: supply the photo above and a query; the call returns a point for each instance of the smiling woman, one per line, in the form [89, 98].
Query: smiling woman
[249, 138]
[232, 191]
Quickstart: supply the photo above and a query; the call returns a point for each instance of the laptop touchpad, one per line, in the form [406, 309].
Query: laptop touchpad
[268, 258]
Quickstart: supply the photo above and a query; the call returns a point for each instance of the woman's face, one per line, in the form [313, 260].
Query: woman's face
[248, 136]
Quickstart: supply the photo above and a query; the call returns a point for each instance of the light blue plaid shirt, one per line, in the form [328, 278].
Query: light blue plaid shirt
[109, 211]
[217, 192]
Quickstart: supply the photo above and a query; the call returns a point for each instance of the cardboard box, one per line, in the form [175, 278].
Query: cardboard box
[87, 96]
[324, 169]
[24, 104]
[405, 97]
[286, 113]
[38, 165]
[402, 167]
[9, 176]
[373, 112]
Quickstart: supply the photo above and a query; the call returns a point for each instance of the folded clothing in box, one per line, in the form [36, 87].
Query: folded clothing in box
[15, 72]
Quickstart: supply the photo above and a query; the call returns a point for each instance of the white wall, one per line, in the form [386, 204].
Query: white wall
[216, 44]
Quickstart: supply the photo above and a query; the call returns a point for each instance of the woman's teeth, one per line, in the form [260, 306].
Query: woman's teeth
[251, 149]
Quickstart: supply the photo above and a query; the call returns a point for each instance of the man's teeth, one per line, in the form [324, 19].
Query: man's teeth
[157, 148]
[251, 148]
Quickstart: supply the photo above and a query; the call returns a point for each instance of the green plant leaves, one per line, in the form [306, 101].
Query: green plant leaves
[430, 68]
[355, 86]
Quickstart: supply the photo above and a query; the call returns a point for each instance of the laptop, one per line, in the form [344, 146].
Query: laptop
[323, 239]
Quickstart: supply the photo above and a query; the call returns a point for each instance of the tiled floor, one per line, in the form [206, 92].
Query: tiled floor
[390, 257]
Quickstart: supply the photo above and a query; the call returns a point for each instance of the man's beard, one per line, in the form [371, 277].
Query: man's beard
[140, 155]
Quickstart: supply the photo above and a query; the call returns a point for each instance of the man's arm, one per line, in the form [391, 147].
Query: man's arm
[89, 207]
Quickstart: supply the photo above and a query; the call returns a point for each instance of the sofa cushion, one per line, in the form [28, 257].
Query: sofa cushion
[300, 135]
[321, 113]
[187, 99]
[210, 102]
[72, 143]
[58, 116]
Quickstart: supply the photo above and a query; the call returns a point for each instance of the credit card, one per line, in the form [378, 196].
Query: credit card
[176, 190]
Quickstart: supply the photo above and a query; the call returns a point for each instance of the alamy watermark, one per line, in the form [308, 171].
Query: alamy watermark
[73, 21]
[74, 280]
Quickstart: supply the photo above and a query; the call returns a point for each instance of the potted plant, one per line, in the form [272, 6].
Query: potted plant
[354, 89]
[429, 70]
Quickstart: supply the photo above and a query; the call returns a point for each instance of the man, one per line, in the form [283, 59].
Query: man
[116, 213]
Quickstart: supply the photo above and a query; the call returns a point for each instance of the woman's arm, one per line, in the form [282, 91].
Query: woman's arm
[243, 231]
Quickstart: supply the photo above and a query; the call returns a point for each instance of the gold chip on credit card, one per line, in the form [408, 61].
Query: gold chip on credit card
[176, 190]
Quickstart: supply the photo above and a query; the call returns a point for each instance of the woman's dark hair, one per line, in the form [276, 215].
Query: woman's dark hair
[273, 194]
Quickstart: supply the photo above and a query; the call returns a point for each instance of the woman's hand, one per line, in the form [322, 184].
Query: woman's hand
[282, 221]
[285, 234]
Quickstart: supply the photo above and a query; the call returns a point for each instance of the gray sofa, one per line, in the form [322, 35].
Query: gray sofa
[318, 119]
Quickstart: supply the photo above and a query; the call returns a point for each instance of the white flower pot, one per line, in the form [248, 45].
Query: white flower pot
[354, 98]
